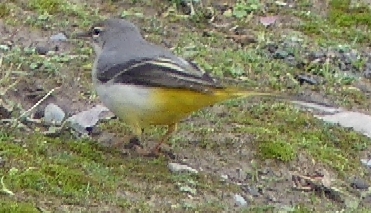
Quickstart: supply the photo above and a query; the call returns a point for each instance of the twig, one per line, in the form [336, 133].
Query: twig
[16, 121]
[38, 103]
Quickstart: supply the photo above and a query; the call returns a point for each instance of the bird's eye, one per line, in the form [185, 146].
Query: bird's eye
[96, 31]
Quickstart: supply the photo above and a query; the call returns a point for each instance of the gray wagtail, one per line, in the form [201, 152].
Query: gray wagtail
[145, 84]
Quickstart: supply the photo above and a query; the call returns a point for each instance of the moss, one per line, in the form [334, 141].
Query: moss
[279, 150]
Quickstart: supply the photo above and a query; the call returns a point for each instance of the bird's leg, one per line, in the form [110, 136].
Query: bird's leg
[170, 129]
[135, 141]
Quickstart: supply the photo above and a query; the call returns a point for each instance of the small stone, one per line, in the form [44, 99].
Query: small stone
[306, 79]
[366, 162]
[58, 37]
[359, 183]
[53, 114]
[85, 120]
[176, 167]
[41, 50]
[239, 200]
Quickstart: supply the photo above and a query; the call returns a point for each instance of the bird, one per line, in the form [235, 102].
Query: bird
[145, 84]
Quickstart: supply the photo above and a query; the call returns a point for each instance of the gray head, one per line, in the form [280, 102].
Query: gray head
[113, 32]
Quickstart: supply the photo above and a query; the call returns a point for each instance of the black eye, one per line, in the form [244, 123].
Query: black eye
[96, 31]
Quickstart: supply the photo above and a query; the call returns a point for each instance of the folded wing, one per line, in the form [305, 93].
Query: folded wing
[159, 72]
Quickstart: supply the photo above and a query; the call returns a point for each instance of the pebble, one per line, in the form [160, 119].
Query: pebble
[41, 50]
[87, 119]
[359, 183]
[176, 167]
[239, 200]
[306, 79]
[53, 114]
[58, 37]
[366, 162]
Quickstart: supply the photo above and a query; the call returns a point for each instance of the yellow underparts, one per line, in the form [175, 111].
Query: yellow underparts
[173, 105]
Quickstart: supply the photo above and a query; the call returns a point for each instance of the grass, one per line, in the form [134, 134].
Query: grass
[69, 174]
[4, 10]
[81, 171]
[47, 6]
[344, 22]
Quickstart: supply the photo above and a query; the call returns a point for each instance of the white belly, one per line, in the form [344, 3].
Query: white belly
[128, 102]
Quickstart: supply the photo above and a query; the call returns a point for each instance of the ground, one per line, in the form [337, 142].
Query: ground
[274, 155]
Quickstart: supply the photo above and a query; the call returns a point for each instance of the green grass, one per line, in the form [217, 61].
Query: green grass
[281, 132]
[4, 10]
[79, 171]
[343, 14]
[47, 6]
[17, 207]
[344, 22]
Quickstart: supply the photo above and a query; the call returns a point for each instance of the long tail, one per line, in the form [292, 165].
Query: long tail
[234, 92]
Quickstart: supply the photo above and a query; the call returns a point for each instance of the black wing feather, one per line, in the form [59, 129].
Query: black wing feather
[153, 73]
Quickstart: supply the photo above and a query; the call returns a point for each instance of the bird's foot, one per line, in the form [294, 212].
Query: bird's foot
[134, 142]
[158, 151]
